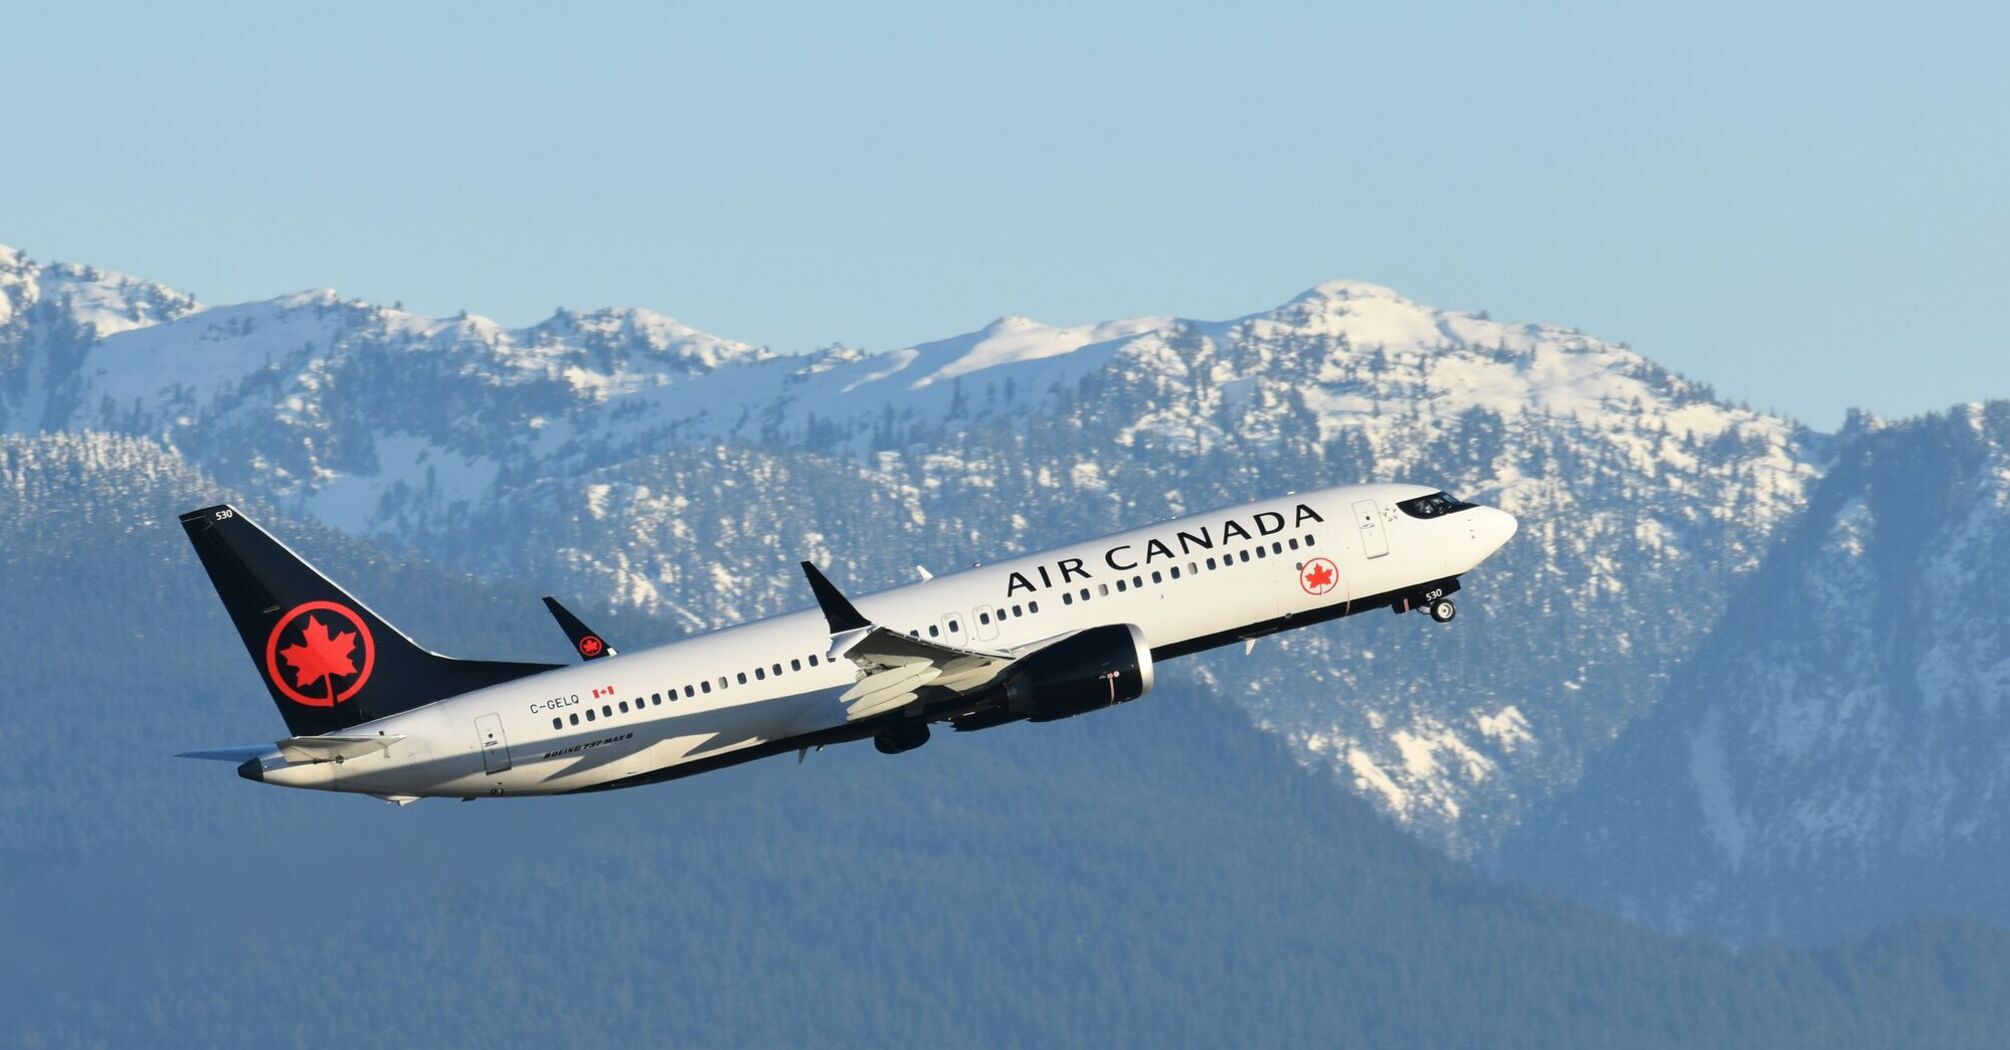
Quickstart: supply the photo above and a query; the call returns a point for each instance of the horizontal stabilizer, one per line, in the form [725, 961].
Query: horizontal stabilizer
[230, 754]
[334, 748]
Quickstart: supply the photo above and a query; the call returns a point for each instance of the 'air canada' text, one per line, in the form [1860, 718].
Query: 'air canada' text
[1125, 557]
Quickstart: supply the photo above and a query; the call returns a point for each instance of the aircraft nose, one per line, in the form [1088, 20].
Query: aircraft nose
[1499, 528]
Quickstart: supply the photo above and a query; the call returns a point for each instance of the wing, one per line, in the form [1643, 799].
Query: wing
[898, 667]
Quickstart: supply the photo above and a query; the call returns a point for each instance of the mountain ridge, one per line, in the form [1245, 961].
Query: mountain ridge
[585, 454]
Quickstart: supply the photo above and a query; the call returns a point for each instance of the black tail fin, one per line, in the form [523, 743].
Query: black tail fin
[329, 661]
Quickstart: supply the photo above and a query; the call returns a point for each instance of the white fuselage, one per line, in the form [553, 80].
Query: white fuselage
[752, 686]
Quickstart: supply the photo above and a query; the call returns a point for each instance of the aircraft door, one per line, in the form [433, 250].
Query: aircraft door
[952, 629]
[495, 746]
[987, 622]
[1374, 535]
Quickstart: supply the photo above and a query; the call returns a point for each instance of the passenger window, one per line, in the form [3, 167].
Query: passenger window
[1018, 611]
[984, 617]
[1085, 594]
[1158, 577]
[624, 707]
[656, 699]
[1105, 588]
[759, 674]
[1259, 552]
[606, 711]
[688, 691]
[813, 659]
[1032, 607]
[1120, 587]
[1308, 539]
[1243, 557]
[954, 627]
[558, 723]
[795, 665]
[777, 669]
[575, 718]
[1175, 572]
[1294, 543]
[706, 685]
[1210, 565]
[1137, 581]
[724, 681]
[742, 676]
[934, 631]
[589, 714]
[1276, 547]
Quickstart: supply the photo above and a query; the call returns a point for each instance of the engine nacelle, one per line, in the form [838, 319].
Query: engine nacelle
[1097, 668]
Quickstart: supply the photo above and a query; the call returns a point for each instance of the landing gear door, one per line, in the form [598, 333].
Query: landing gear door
[1374, 534]
[495, 746]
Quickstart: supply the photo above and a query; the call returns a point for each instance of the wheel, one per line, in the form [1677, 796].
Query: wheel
[903, 738]
[1443, 610]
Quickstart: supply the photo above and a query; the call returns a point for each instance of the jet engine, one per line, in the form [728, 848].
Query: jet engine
[1097, 668]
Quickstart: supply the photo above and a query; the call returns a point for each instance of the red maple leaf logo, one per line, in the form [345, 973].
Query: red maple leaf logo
[321, 654]
[590, 646]
[1320, 577]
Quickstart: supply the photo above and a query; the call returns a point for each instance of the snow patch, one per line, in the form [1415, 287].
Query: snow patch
[1506, 728]
[1710, 773]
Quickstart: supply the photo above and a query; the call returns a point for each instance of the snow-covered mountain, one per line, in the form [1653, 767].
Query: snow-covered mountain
[669, 473]
[1154, 876]
[1837, 751]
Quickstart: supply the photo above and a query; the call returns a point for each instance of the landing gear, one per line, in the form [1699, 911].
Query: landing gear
[1432, 598]
[901, 738]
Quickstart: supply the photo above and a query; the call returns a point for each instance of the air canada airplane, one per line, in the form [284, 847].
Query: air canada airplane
[1036, 638]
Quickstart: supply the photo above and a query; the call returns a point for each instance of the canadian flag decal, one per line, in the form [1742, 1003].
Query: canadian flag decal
[600, 692]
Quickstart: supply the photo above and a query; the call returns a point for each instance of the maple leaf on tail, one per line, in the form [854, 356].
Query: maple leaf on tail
[322, 655]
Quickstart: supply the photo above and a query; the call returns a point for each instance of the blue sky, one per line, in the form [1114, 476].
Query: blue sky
[1802, 204]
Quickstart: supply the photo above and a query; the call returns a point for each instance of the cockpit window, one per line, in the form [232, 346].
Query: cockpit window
[1435, 505]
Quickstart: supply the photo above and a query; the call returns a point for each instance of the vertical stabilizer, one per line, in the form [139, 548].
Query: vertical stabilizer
[328, 661]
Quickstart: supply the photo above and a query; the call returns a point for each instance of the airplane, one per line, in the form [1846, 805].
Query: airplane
[1034, 638]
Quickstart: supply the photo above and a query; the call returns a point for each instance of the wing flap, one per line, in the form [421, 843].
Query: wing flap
[878, 704]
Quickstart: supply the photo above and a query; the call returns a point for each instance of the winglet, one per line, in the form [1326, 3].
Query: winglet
[838, 610]
[585, 641]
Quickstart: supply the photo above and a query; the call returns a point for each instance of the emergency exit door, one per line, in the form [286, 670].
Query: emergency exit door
[1374, 534]
[495, 747]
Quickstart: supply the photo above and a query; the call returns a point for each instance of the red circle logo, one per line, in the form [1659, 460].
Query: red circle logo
[1319, 576]
[328, 651]
[590, 646]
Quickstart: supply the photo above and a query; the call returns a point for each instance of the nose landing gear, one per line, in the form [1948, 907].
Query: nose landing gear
[1435, 599]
